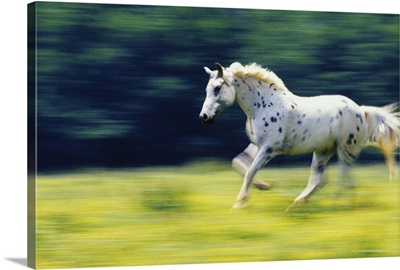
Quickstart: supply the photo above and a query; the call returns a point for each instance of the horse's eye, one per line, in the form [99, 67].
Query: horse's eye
[218, 88]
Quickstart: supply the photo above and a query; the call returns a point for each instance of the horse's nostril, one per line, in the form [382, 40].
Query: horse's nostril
[205, 119]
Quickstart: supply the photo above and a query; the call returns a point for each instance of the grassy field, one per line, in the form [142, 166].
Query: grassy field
[174, 215]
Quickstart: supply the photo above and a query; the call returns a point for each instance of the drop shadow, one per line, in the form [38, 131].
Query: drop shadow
[20, 261]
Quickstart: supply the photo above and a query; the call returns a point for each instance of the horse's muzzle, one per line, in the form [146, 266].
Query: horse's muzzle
[205, 119]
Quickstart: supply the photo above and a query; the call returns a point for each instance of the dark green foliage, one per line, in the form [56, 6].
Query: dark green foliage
[122, 85]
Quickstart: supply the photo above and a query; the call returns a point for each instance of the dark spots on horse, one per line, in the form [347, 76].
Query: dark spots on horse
[258, 93]
[344, 101]
[263, 102]
[271, 85]
[265, 122]
[350, 138]
[303, 139]
[295, 136]
[331, 120]
[358, 128]
[248, 86]
[355, 141]
[359, 117]
[259, 82]
[273, 119]
[280, 129]
[292, 106]
[299, 122]
[269, 150]
[305, 131]
[258, 105]
[340, 113]
[255, 104]
[293, 130]
[277, 114]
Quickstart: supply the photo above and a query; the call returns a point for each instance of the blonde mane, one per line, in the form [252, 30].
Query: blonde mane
[256, 71]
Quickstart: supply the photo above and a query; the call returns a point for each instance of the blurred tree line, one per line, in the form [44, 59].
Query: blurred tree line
[122, 85]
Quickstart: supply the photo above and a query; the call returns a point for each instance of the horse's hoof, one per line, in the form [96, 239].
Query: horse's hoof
[240, 205]
[290, 207]
[294, 205]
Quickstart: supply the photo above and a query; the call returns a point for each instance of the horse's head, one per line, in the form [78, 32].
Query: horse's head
[220, 94]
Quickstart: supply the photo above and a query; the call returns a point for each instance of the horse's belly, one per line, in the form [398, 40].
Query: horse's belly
[312, 144]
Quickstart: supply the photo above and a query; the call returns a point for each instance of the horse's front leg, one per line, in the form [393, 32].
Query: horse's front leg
[264, 154]
[242, 162]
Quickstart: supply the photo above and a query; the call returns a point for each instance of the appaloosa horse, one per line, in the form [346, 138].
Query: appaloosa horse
[282, 123]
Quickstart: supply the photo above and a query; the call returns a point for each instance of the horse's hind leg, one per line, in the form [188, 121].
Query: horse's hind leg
[316, 179]
[347, 155]
[242, 162]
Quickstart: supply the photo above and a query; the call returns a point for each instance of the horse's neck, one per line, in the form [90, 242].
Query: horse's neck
[255, 97]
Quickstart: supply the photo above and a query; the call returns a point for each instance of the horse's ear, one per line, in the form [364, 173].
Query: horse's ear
[220, 69]
[209, 72]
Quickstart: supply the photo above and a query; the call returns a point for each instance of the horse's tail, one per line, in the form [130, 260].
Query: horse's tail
[384, 132]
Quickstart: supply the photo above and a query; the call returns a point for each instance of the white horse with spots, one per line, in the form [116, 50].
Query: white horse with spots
[279, 122]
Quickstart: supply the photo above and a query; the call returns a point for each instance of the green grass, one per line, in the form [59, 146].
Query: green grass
[174, 215]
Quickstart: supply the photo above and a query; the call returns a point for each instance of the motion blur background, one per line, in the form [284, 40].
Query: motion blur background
[122, 85]
[120, 88]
